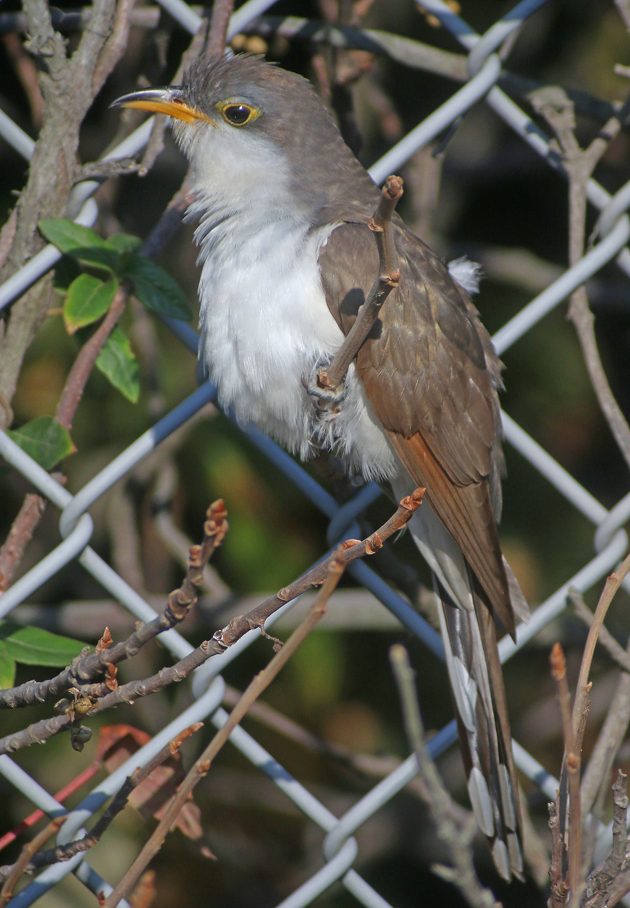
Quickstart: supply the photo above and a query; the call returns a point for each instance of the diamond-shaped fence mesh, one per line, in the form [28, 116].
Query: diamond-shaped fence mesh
[485, 85]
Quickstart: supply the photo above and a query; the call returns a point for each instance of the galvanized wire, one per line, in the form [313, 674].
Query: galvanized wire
[610, 542]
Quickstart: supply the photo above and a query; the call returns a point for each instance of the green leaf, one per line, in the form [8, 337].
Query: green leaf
[156, 289]
[88, 298]
[119, 365]
[122, 242]
[97, 257]
[35, 646]
[66, 235]
[81, 243]
[7, 667]
[45, 440]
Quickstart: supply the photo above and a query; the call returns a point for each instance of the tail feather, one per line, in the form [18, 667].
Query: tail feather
[476, 681]
[477, 684]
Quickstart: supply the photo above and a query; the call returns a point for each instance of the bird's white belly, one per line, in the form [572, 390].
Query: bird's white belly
[265, 324]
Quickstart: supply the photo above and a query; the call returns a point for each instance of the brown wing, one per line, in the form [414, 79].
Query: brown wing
[430, 375]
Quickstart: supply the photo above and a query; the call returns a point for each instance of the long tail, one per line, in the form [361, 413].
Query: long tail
[476, 679]
[474, 668]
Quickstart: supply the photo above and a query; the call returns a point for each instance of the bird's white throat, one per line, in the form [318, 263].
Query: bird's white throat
[264, 318]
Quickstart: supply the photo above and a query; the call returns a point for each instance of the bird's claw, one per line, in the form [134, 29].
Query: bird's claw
[327, 399]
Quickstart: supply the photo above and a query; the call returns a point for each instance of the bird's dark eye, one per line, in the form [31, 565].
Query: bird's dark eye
[237, 113]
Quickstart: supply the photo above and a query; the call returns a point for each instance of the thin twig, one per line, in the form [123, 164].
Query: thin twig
[558, 885]
[61, 795]
[372, 766]
[574, 727]
[33, 506]
[115, 45]
[202, 765]
[597, 773]
[239, 626]
[611, 880]
[169, 222]
[456, 837]
[579, 163]
[411, 53]
[160, 124]
[620, 817]
[105, 170]
[85, 667]
[7, 235]
[20, 534]
[32, 692]
[219, 22]
[387, 280]
[615, 650]
[26, 71]
[67, 851]
[613, 582]
[177, 543]
[570, 776]
[84, 363]
[23, 861]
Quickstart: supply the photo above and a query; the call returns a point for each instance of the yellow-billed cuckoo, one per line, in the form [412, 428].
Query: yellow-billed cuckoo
[287, 257]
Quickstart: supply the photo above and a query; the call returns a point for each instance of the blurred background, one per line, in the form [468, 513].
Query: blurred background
[332, 717]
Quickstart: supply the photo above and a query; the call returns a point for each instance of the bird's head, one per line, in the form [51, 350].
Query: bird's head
[227, 95]
[254, 128]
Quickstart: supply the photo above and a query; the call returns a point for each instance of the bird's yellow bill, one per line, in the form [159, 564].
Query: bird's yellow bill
[163, 102]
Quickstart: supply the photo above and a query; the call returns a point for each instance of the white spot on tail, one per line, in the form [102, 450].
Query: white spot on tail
[481, 802]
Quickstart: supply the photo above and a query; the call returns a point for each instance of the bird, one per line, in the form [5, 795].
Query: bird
[287, 257]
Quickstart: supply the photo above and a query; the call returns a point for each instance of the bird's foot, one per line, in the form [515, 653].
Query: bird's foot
[327, 398]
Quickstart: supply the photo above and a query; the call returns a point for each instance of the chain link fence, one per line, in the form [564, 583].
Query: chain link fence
[341, 853]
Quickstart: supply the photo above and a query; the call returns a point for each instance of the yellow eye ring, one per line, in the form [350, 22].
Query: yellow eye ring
[238, 113]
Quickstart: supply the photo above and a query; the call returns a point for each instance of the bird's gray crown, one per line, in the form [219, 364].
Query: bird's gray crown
[246, 76]
[294, 118]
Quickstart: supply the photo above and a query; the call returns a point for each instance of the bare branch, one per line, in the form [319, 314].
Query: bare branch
[116, 43]
[68, 88]
[202, 765]
[567, 837]
[39, 859]
[559, 889]
[616, 652]
[595, 782]
[554, 104]
[257, 617]
[389, 275]
[27, 74]
[86, 667]
[20, 534]
[169, 221]
[84, 363]
[613, 582]
[570, 776]
[6, 893]
[455, 836]
[608, 883]
[373, 766]
[407, 51]
[103, 170]
[219, 22]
